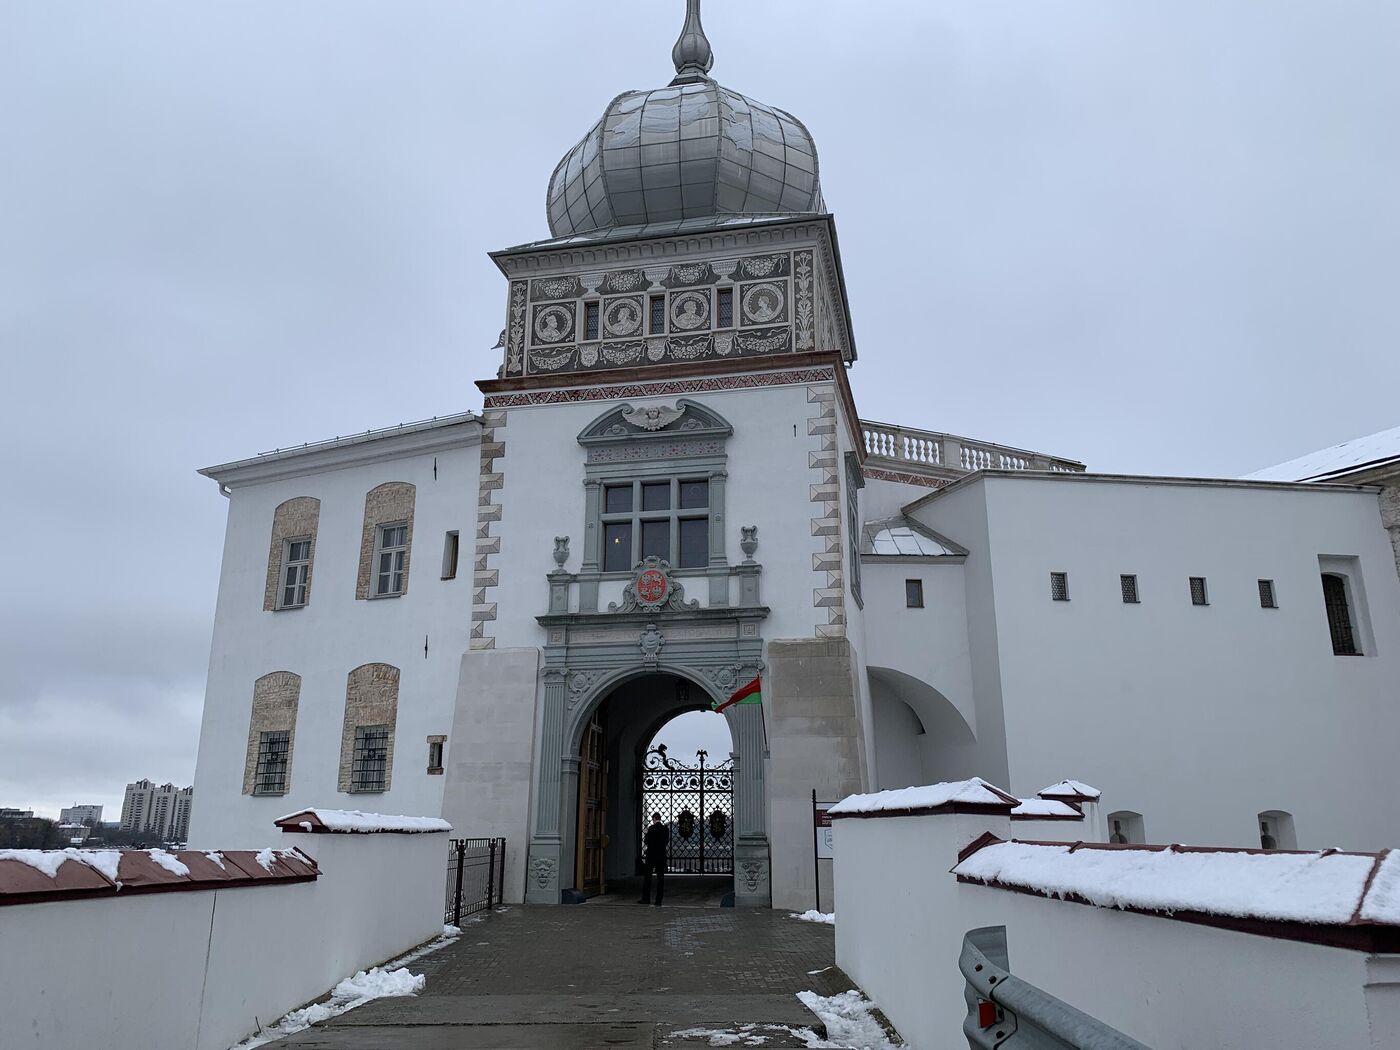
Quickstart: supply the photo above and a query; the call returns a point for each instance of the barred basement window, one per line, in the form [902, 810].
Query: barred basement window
[1059, 586]
[296, 567]
[1267, 598]
[1339, 621]
[271, 776]
[1128, 585]
[914, 594]
[390, 559]
[1198, 591]
[724, 308]
[590, 320]
[657, 324]
[371, 759]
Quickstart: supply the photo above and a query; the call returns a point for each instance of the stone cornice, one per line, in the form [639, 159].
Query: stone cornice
[413, 439]
[660, 617]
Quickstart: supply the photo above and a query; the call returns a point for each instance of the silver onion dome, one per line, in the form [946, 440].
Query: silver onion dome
[690, 150]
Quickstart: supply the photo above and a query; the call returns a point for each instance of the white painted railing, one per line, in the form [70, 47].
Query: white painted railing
[925, 451]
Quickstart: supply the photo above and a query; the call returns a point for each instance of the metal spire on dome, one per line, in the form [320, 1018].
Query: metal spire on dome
[692, 54]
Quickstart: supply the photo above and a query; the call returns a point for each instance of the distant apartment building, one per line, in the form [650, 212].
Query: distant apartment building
[90, 815]
[15, 814]
[163, 810]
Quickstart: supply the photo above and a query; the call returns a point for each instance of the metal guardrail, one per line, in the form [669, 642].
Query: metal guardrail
[1005, 1011]
[476, 875]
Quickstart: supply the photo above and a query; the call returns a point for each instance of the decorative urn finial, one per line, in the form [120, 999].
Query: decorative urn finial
[692, 54]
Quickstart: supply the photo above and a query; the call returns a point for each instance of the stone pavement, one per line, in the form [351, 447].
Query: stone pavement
[598, 975]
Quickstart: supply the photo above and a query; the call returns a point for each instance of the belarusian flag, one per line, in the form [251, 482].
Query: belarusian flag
[749, 694]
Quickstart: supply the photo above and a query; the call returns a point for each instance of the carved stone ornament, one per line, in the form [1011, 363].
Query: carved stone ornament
[651, 417]
[542, 870]
[561, 550]
[652, 589]
[748, 541]
[651, 642]
[753, 873]
[580, 683]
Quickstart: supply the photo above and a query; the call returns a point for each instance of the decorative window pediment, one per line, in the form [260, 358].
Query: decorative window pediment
[629, 433]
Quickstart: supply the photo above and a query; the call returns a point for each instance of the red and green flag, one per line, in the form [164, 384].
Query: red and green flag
[748, 694]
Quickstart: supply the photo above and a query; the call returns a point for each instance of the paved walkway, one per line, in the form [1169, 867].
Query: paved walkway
[599, 975]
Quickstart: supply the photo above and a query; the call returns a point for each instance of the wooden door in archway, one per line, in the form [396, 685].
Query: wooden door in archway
[592, 810]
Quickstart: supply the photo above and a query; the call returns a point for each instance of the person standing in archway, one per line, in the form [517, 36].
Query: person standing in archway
[658, 839]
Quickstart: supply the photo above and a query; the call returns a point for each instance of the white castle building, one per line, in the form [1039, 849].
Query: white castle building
[668, 491]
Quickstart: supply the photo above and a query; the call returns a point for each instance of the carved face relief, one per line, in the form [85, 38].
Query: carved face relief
[690, 310]
[553, 323]
[623, 317]
[764, 303]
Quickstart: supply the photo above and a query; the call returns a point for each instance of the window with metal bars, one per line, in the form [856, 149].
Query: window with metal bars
[370, 764]
[657, 324]
[1059, 586]
[1267, 598]
[1198, 591]
[724, 308]
[590, 321]
[1127, 583]
[391, 560]
[273, 751]
[296, 571]
[1339, 621]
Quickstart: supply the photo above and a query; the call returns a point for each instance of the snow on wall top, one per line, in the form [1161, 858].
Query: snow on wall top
[1371, 450]
[353, 820]
[1047, 807]
[1319, 888]
[930, 796]
[1071, 789]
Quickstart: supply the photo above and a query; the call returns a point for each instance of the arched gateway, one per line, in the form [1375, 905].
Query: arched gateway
[611, 679]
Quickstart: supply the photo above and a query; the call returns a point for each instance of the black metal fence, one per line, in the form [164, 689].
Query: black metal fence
[476, 875]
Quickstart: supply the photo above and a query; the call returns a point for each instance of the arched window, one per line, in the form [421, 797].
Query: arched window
[1125, 826]
[1276, 830]
[367, 734]
[1339, 618]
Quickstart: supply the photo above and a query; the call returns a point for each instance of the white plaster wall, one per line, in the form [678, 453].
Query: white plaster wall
[331, 636]
[200, 969]
[1197, 717]
[1172, 985]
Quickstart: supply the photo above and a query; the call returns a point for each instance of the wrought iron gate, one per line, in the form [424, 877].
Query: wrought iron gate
[697, 804]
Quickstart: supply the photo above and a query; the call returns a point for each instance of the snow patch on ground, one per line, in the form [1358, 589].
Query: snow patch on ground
[356, 820]
[850, 1025]
[1297, 887]
[50, 860]
[812, 915]
[849, 1019]
[381, 982]
[929, 796]
[169, 862]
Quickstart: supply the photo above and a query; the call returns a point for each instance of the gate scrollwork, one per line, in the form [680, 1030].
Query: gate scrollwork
[680, 793]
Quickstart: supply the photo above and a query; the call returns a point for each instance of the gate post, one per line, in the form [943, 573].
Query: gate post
[491, 875]
[460, 845]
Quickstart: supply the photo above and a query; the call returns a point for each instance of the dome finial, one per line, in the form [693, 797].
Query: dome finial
[692, 54]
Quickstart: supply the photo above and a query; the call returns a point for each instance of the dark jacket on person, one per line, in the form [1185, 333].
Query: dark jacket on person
[658, 837]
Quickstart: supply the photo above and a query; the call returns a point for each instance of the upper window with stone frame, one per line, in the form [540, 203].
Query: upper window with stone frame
[391, 561]
[655, 486]
[291, 553]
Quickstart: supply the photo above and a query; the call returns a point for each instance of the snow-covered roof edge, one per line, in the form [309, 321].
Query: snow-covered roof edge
[1071, 791]
[354, 821]
[975, 795]
[1046, 809]
[1357, 454]
[1330, 897]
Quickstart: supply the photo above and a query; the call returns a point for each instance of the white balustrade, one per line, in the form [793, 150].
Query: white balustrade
[947, 455]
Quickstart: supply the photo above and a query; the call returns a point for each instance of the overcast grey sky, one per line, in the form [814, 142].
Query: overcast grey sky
[1160, 237]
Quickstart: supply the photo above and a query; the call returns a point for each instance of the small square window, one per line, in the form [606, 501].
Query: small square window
[1127, 583]
[617, 499]
[656, 495]
[590, 321]
[1267, 598]
[617, 546]
[451, 548]
[914, 594]
[1059, 586]
[1198, 591]
[695, 495]
[656, 539]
